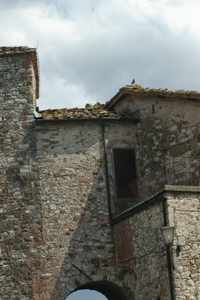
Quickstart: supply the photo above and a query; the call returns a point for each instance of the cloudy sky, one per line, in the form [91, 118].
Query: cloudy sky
[86, 295]
[88, 49]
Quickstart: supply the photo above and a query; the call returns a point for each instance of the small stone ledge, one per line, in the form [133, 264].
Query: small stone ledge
[182, 188]
[138, 207]
[160, 196]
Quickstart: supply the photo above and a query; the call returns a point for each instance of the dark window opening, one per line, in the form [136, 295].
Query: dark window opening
[125, 172]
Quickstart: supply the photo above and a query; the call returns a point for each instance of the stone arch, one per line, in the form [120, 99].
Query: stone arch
[107, 288]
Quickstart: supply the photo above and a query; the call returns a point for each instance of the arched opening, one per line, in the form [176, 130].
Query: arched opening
[105, 290]
[86, 295]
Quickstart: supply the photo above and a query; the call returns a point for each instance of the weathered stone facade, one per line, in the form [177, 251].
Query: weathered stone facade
[62, 225]
[19, 211]
[184, 213]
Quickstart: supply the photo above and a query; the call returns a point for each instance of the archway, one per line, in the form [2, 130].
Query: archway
[108, 289]
[86, 295]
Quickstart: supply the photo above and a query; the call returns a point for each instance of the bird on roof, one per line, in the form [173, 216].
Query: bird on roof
[133, 81]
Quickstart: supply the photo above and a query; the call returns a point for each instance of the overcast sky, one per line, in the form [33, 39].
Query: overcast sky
[86, 295]
[88, 49]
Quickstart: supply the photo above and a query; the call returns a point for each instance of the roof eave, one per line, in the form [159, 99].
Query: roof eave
[42, 120]
[124, 91]
[116, 98]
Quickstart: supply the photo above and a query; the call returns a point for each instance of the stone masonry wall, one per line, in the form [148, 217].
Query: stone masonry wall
[167, 142]
[184, 215]
[74, 199]
[77, 244]
[143, 252]
[140, 248]
[19, 213]
[56, 184]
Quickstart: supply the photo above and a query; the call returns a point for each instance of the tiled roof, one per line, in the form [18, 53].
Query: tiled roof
[7, 51]
[138, 90]
[97, 111]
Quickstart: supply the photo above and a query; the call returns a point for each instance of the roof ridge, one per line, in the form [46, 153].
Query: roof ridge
[136, 89]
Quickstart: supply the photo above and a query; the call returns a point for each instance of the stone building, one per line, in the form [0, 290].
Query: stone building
[104, 197]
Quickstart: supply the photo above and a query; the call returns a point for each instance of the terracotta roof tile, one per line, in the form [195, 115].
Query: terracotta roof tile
[97, 111]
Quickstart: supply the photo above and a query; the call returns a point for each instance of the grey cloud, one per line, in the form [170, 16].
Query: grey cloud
[153, 55]
[106, 50]
[20, 3]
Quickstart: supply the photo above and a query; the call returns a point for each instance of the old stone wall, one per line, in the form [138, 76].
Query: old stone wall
[58, 224]
[77, 242]
[167, 141]
[184, 214]
[19, 213]
[140, 249]
[74, 194]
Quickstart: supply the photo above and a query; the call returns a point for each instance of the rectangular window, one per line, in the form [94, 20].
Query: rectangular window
[125, 172]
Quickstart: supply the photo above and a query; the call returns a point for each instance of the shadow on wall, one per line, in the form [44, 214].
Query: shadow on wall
[23, 216]
[79, 241]
[89, 259]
